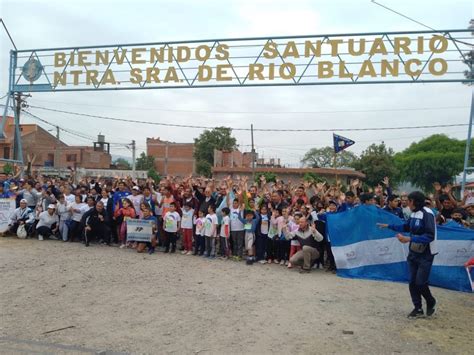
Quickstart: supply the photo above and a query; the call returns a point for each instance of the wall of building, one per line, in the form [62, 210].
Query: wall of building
[172, 158]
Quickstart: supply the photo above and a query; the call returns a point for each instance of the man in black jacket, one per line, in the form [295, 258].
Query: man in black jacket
[96, 225]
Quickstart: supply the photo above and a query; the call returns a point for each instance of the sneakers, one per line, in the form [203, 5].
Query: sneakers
[123, 246]
[276, 261]
[286, 262]
[189, 252]
[40, 237]
[249, 261]
[184, 252]
[262, 261]
[282, 262]
[431, 309]
[416, 313]
[305, 271]
[151, 250]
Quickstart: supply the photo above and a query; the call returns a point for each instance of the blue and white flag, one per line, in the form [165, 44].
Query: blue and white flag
[341, 143]
[363, 250]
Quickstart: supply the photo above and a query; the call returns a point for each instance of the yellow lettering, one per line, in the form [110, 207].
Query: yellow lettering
[59, 78]
[157, 55]
[441, 40]
[75, 74]
[136, 76]
[408, 64]
[367, 68]
[120, 58]
[334, 43]
[204, 73]
[183, 54]
[102, 57]
[325, 70]
[291, 50]
[200, 49]
[59, 59]
[378, 47]
[137, 55]
[401, 43]
[290, 67]
[82, 58]
[91, 77]
[255, 70]
[270, 50]
[311, 49]
[222, 74]
[342, 70]
[171, 75]
[350, 47]
[152, 73]
[108, 78]
[433, 70]
[222, 51]
[386, 67]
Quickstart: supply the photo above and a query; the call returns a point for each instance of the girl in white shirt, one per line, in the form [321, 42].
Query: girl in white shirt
[77, 209]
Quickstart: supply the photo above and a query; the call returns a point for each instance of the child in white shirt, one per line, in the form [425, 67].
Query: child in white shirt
[225, 233]
[172, 221]
[187, 228]
[199, 241]
[210, 232]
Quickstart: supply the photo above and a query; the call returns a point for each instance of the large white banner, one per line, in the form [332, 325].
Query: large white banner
[139, 230]
[7, 207]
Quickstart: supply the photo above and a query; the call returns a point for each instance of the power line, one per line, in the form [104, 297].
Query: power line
[418, 22]
[8, 33]
[255, 129]
[266, 112]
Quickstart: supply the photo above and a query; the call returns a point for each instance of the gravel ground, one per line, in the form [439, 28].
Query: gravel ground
[117, 301]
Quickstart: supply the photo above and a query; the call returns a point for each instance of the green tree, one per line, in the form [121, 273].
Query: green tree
[152, 173]
[218, 138]
[312, 177]
[122, 163]
[144, 162]
[203, 168]
[324, 158]
[269, 177]
[436, 158]
[8, 169]
[376, 162]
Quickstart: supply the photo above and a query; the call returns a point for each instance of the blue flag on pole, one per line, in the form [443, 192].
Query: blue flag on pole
[362, 250]
[341, 143]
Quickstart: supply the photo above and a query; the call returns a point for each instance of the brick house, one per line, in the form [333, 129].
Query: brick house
[51, 152]
[172, 158]
[285, 174]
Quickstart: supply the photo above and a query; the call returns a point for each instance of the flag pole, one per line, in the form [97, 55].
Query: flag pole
[335, 165]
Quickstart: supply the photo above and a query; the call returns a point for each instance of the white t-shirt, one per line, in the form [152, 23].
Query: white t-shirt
[70, 198]
[45, 219]
[82, 207]
[187, 219]
[264, 224]
[209, 223]
[199, 222]
[235, 223]
[225, 226]
[136, 201]
[171, 220]
[158, 210]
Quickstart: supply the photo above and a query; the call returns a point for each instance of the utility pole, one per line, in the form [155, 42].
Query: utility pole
[133, 157]
[18, 103]
[56, 153]
[253, 154]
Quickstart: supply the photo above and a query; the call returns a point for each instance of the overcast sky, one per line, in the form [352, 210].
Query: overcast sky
[51, 23]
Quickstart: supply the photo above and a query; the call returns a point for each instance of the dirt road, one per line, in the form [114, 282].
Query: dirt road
[115, 300]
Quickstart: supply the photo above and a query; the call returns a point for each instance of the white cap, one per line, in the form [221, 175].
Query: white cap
[52, 206]
[136, 188]
[23, 201]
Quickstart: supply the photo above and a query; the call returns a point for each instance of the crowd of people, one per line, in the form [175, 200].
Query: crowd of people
[266, 222]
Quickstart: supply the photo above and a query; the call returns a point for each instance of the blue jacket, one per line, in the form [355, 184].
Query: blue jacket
[421, 226]
[254, 224]
[397, 211]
